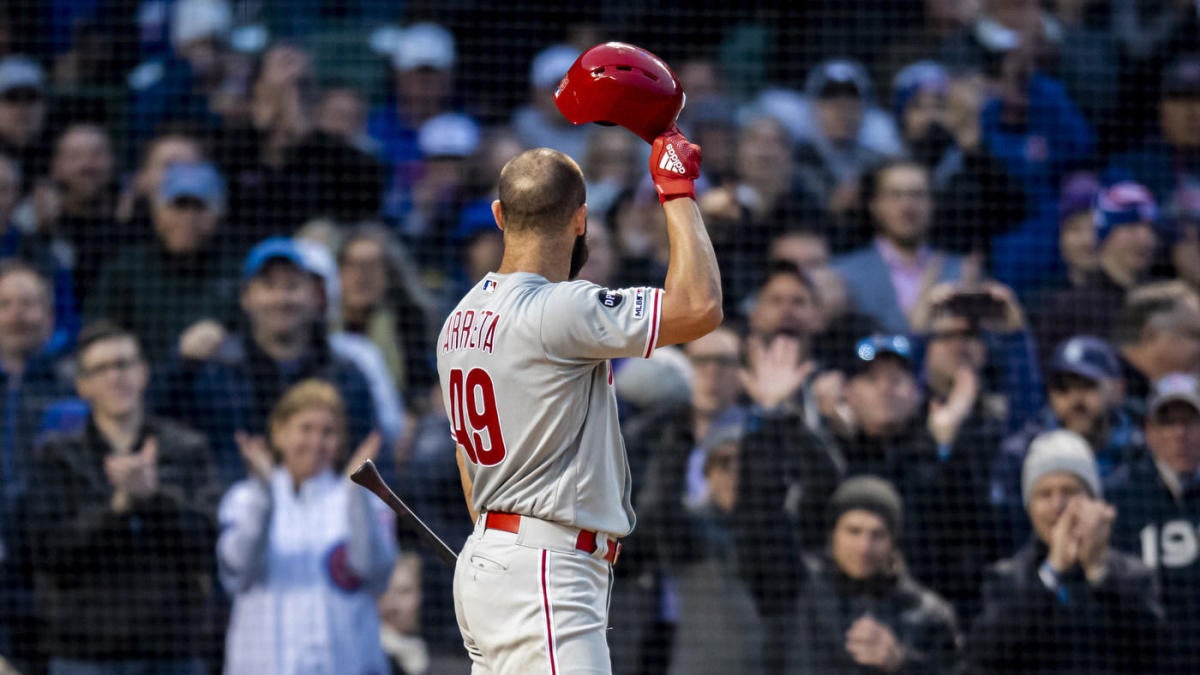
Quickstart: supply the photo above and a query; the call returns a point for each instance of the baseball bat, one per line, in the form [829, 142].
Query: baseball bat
[368, 476]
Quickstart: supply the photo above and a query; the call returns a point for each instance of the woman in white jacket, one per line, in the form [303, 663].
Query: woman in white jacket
[303, 551]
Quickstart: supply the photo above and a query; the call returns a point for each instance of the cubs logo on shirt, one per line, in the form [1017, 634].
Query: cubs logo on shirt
[337, 564]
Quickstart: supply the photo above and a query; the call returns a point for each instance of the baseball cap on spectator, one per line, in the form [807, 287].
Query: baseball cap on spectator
[550, 65]
[448, 135]
[839, 77]
[917, 78]
[1125, 203]
[21, 73]
[270, 250]
[1059, 450]
[1078, 195]
[1182, 78]
[868, 350]
[868, 493]
[193, 20]
[199, 181]
[1174, 387]
[1086, 356]
[424, 45]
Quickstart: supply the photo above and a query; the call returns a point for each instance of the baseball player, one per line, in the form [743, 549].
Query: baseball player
[527, 384]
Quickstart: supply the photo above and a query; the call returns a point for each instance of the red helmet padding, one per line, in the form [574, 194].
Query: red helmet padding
[618, 83]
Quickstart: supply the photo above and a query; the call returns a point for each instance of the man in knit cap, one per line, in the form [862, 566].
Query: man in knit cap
[860, 611]
[1067, 602]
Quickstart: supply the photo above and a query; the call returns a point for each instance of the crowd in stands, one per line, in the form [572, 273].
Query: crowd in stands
[951, 424]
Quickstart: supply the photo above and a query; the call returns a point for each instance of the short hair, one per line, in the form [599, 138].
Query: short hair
[102, 330]
[14, 266]
[784, 268]
[307, 394]
[540, 189]
[1144, 304]
[873, 179]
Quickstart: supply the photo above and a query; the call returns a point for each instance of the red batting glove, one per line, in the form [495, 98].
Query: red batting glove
[674, 165]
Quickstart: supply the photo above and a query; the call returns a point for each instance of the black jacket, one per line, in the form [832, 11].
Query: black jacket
[122, 586]
[830, 603]
[1026, 628]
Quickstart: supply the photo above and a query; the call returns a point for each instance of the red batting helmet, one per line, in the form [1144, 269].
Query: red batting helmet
[618, 83]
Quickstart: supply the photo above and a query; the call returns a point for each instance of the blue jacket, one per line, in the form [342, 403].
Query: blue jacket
[1055, 139]
[1125, 445]
[869, 285]
[236, 389]
[1157, 166]
[1164, 531]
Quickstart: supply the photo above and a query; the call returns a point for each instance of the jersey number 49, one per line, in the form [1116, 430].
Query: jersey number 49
[474, 418]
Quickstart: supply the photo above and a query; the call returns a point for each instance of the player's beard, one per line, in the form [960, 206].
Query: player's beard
[579, 256]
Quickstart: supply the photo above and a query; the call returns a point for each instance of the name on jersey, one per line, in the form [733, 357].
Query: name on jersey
[469, 329]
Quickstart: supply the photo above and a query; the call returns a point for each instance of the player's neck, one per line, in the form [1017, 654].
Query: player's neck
[545, 258]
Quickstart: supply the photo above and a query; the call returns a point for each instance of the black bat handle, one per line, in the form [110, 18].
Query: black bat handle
[368, 476]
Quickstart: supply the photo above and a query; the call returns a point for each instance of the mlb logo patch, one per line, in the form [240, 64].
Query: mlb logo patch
[639, 303]
[489, 286]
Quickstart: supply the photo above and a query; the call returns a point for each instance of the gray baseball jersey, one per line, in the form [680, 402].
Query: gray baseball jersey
[527, 386]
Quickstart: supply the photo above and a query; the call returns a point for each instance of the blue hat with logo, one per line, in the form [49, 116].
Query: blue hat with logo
[198, 180]
[871, 349]
[1125, 203]
[1086, 356]
[268, 250]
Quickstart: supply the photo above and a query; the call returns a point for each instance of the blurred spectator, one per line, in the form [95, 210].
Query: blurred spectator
[131, 496]
[75, 205]
[388, 406]
[639, 230]
[941, 20]
[423, 64]
[342, 112]
[601, 265]
[612, 164]
[939, 118]
[23, 116]
[538, 123]
[1077, 243]
[33, 370]
[383, 300]
[1144, 26]
[176, 292]
[1125, 218]
[317, 612]
[95, 57]
[1067, 602]
[786, 303]
[172, 146]
[37, 252]
[718, 628]
[1183, 237]
[1159, 506]
[1157, 332]
[886, 278]
[830, 165]
[1169, 160]
[281, 340]
[1030, 125]
[202, 81]
[858, 609]
[327, 174]
[259, 155]
[33, 373]
[1086, 395]
[400, 619]
[447, 142]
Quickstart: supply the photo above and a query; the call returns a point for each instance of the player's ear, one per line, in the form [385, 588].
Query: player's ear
[498, 214]
[579, 220]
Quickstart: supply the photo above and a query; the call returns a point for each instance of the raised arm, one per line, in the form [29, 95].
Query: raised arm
[691, 304]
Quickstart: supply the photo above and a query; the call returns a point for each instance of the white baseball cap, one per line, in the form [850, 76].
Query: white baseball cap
[448, 135]
[424, 45]
[20, 72]
[193, 20]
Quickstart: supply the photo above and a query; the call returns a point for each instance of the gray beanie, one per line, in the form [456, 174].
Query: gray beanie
[869, 494]
[1059, 450]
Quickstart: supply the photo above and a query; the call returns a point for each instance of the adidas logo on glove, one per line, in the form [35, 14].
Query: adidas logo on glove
[670, 161]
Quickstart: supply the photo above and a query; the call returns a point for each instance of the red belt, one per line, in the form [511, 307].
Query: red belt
[586, 541]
